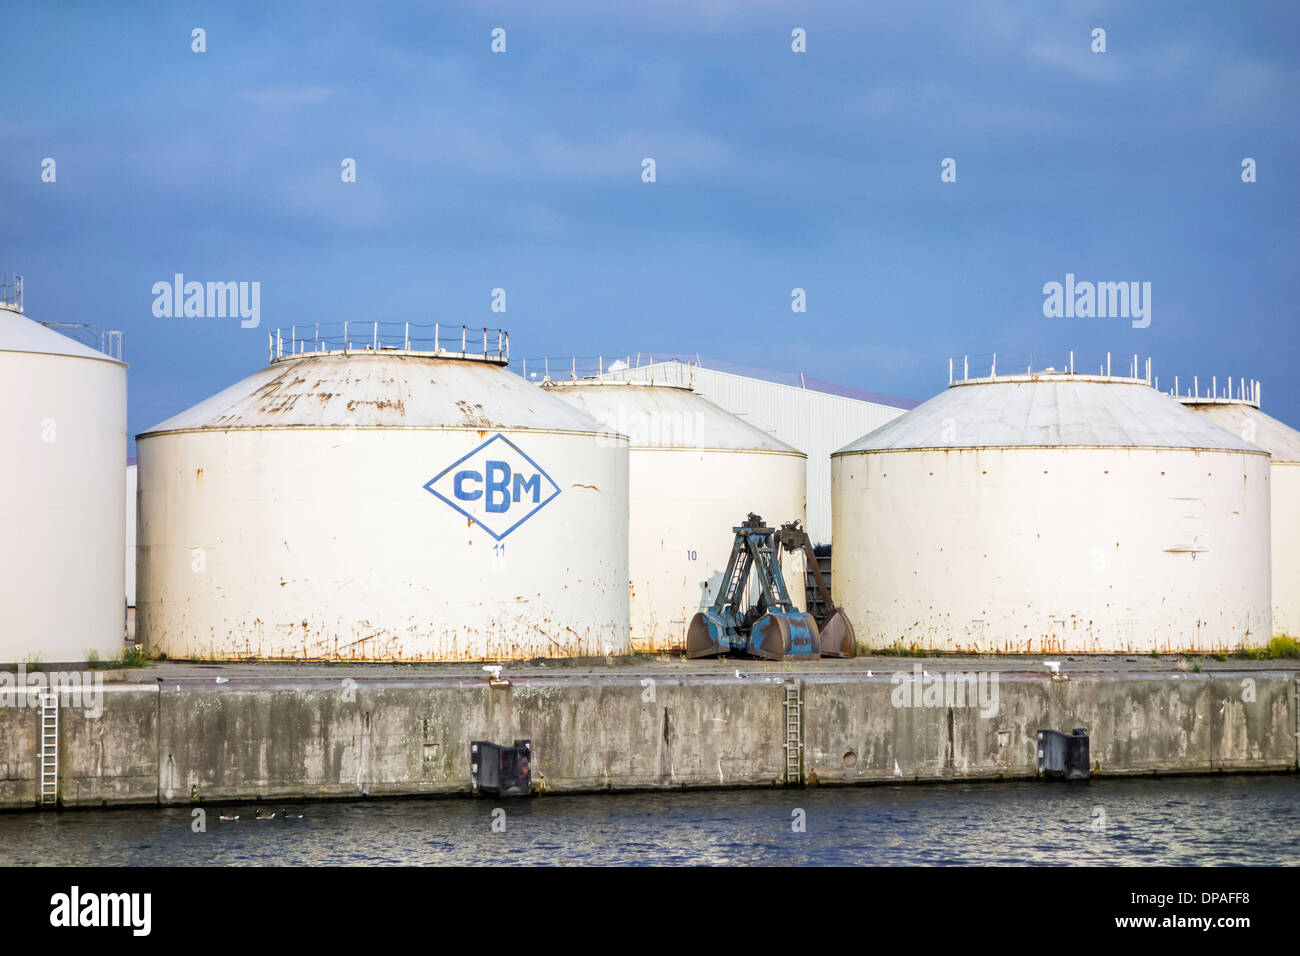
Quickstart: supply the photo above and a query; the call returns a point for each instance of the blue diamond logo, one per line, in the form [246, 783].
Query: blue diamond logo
[496, 486]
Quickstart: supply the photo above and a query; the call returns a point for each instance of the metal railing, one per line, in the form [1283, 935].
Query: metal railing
[446, 341]
[641, 368]
[1241, 391]
[102, 340]
[971, 368]
[11, 291]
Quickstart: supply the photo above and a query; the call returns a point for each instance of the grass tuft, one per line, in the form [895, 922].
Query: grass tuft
[1277, 648]
[133, 657]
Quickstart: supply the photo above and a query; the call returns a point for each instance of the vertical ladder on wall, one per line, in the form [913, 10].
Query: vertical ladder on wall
[49, 749]
[793, 734]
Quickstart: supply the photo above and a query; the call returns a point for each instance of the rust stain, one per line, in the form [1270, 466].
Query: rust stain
[474, 414]
[382, 405]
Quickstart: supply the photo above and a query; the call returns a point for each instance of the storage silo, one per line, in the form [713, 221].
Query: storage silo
[695, 472]
[1242, 416]
[382, 504]
[1052, 512]
[63, 482]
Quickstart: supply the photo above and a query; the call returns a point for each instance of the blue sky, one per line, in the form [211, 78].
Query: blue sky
[775, 170]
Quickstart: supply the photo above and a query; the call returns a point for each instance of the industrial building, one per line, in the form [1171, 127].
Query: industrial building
[695, 471]
[809, 414]
[1238, 411]
[1053, 512]
[64, 449]
[373, 496]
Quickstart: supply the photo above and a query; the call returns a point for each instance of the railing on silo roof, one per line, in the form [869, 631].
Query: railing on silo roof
[641, 368]
[1244, 392]
[1037, 364]
[108, 341]
[437, 339]
[11, 291]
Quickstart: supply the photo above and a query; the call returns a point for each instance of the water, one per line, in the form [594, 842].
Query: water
[1192, 821]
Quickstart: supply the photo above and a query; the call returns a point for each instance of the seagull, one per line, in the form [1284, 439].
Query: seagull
[739, 674]
[223, 680]
[1054, 667]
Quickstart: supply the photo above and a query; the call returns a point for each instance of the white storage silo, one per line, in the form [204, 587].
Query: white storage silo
[1241, 416]
[695, 472]
[382, 504]
[64, 451]
[1052, 512]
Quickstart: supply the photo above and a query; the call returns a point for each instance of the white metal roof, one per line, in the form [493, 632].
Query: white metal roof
[1277, 438]
[816, 422]
[370, 390]
[1050, 411]
[21, 334]
[666, 416]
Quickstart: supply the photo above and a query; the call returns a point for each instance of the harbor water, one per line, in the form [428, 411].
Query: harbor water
[1191, 821]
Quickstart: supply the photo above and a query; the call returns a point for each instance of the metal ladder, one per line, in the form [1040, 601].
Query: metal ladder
[793, 734]
[49, 749]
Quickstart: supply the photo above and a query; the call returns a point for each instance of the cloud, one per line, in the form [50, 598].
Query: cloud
[686, 154]
[288, 97]
[1241, 85]
[1078, 58]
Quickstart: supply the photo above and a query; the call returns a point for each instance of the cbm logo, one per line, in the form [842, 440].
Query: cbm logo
[496, 486]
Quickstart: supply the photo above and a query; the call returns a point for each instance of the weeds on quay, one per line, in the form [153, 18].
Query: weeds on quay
[897, 650]
[1277, 648]
[131, 657]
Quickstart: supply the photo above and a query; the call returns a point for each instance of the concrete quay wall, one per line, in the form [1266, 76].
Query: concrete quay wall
[180, 740]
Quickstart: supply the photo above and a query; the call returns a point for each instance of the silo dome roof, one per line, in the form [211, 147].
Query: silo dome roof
[667, 416]
[366, 389]
[1050, 411]
[18, 333]
[1277, 438]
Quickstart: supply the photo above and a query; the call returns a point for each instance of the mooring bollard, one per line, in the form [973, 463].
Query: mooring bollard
[505, 771]
[1065, 756]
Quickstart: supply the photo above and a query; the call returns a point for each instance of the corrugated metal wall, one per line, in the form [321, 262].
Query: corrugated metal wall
[817, 423]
